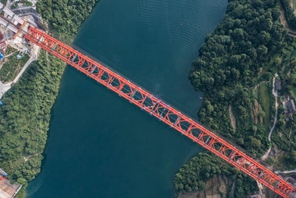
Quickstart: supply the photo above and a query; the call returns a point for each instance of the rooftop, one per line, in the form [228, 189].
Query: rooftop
[290, 105]
[278, 85]
[8, 190]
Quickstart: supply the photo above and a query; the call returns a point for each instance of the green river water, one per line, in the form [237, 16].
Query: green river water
[102, 146]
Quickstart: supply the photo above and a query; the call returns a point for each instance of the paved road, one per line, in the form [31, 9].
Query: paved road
[5, 87]
[285, 172]
[32, 58]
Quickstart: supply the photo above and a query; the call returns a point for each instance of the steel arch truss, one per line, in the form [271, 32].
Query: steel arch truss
[158, 108]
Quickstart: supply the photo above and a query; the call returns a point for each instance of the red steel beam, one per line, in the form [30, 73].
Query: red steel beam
[158, 108]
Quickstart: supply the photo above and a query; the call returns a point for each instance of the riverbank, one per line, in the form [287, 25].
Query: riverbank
[25, 115]
[245, 51]
[25, 119]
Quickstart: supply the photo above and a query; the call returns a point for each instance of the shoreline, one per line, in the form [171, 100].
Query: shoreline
[30, 157]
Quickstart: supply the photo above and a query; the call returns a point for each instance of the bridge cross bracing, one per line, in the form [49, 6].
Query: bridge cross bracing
[158, 108]
[164, 112]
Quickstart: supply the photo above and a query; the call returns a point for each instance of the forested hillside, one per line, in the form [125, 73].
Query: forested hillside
[234, 69]
[25, 118]
[25, 115]
[65, 16]
[238, 56]
[289, 13]
[193, 175]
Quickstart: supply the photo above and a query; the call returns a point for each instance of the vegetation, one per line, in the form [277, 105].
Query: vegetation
[235, 58]
[25, 115]
[235, 67]
[12, 65]
[264, 97]
[284, 135]
[285, 132]
[193, 175]
[289, 13]
[65, 16]
[25, 119]
[21, 2]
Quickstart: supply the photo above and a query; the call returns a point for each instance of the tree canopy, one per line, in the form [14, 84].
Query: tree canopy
[25, 115]
[193, 175]
[235, 58]
[65, 16]
[24, 119]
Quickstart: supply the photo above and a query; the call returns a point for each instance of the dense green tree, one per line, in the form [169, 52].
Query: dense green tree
[193, 175]
[289, 13]
[25, 119]
[65, 16]
[25, 115]
[231, 62]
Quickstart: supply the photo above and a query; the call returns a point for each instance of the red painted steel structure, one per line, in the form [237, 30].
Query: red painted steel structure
[156, 107]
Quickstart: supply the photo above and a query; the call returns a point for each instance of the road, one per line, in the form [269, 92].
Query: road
[291, 32]
[33, 57]
[285, 172]
[5, 87]
[274, 93]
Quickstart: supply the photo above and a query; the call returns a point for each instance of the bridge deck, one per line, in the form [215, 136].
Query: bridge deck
[158, 108]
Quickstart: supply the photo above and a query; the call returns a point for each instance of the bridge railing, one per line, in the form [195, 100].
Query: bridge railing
[161, 110]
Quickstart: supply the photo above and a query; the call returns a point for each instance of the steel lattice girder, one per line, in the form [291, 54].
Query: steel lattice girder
[156, 107]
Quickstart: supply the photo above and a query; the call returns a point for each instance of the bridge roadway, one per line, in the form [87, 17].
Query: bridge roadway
[158, 108]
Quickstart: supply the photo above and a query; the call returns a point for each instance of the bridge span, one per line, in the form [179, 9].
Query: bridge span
[161, 110]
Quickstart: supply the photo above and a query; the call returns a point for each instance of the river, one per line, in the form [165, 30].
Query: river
[100, 145]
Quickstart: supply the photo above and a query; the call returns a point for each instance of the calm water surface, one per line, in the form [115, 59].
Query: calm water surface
[100, 145]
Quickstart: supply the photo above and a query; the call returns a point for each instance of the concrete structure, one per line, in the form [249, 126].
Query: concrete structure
[31, 15]
[11, 15]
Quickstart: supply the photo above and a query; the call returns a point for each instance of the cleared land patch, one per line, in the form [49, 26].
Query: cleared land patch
[12, 65]
[232, 118]
[264, 97]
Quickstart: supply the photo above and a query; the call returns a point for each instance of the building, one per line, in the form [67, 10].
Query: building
[290, 106]
[278, 85]
[8, 190]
